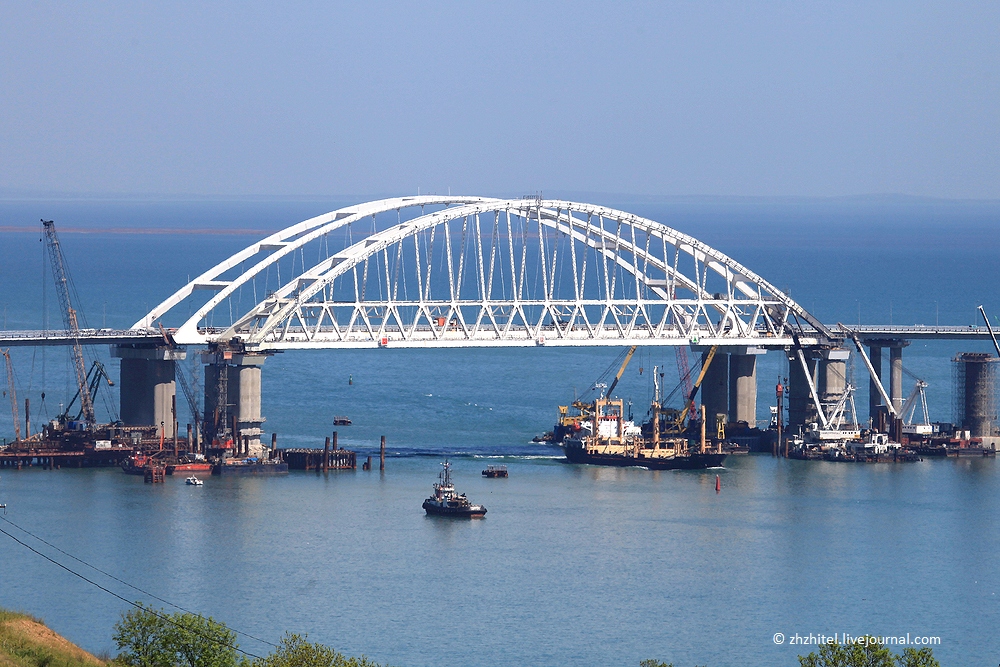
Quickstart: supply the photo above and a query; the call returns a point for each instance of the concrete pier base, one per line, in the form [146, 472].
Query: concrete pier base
[874, 397]
[833, 374]
[801, 410]
[743, 389]
[147, 386]
[242, 407]
[715, 388]
[896, 377]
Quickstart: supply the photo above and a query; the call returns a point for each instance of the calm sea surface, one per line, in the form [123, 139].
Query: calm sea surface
[574, 565]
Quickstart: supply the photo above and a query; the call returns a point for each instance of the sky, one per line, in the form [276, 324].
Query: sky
[761, 99]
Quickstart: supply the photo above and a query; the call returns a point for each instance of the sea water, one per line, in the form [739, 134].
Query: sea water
[574, 565]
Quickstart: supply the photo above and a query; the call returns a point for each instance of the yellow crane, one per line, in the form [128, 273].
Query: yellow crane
[679, 422]
[621, 371]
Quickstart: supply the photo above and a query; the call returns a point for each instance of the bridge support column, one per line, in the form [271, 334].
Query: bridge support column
[234, 403]
[743, 389]
[977, 392]
[147, 386]
[874, 397]
[833, 374]
[801, 410]
[896, 375]
[715, 388]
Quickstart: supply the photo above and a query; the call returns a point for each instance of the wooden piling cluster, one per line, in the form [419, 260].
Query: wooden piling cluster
[320, 459]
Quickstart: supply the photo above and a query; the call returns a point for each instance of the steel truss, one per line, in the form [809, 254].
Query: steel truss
[490, 272]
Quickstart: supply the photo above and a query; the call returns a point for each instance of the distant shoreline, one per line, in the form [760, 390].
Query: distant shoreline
[151, 230]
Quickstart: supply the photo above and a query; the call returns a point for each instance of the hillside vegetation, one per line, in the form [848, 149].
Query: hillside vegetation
[26, 642]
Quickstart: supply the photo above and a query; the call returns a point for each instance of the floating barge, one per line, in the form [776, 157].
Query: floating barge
[250, 468]
[316, 459]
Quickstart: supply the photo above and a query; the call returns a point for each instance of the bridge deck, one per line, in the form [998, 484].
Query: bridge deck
[867, 332]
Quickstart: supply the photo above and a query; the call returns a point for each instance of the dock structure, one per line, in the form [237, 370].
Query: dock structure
[319, 459]
[47, 459]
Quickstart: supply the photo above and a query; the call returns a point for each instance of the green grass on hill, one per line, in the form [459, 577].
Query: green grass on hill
[25, 641]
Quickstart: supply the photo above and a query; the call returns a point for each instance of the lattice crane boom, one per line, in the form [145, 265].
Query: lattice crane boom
[12, 391]
[61, 277]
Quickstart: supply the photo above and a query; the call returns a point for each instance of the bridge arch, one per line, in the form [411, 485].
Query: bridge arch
[486, 272]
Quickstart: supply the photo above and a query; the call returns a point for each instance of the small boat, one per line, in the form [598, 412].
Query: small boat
[495, 471]
[194, 481]
[341, 420]
[445, 502]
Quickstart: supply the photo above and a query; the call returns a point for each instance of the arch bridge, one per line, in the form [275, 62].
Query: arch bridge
[470, 271]
[436, 271]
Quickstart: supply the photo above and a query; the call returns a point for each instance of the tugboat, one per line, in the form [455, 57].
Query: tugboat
[445, 502]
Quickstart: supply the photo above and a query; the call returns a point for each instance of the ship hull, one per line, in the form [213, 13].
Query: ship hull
[189, 467]
[690, 462]
[251, 469]
[455, 512]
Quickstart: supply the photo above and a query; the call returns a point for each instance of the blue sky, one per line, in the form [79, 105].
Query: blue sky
[750, 98]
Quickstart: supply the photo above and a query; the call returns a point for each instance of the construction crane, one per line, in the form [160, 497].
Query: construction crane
[871, 371]
[190, 396]
[94, 376]
[684, 368]
[69, 315]
[621, 371]
[910, 405]
[12, 391]
[990, 329]
[689, 403]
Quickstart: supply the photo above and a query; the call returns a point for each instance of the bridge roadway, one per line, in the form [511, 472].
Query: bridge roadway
[140, 337]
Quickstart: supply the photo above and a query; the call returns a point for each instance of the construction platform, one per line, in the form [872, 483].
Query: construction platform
[316, 459]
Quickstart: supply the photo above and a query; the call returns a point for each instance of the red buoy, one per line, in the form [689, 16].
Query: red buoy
[718, 483]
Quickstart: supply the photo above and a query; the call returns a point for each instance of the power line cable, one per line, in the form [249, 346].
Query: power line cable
[137, 605]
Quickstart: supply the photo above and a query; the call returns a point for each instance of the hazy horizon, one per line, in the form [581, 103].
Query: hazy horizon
[621, 100]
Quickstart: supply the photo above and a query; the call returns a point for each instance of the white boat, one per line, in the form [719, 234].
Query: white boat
[194, 481]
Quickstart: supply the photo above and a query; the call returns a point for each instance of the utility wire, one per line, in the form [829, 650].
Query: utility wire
[137, 605]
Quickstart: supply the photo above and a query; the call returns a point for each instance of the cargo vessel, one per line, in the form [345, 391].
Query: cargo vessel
[445, 502]
[608, 439]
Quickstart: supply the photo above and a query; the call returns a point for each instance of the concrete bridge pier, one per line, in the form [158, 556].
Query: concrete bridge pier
[743, 387]
[715, 389]
[234, 402]
[801, 410]
[896, 373]
[147, 385]
[895, 388]
[833, 374]
[874, 397]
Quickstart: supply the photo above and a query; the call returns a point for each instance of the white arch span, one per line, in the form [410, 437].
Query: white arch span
[481, 271]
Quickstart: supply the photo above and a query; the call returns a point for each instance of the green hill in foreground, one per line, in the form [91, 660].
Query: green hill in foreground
[27, 642]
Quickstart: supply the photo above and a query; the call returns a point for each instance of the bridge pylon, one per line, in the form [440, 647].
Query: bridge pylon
[148, 385]
[233, 417]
